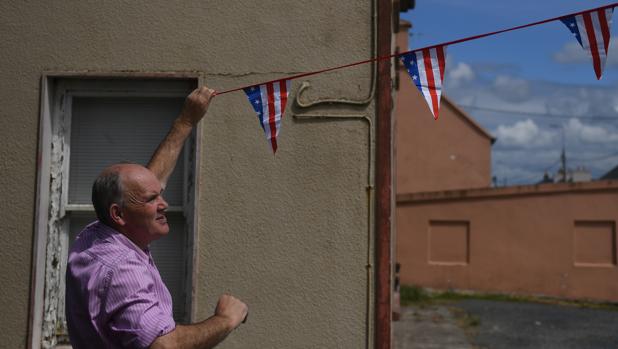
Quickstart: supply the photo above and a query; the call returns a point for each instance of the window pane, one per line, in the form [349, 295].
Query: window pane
[107, 130]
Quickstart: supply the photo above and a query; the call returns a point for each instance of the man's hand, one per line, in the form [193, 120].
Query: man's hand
[232, 309]
[230, 313]
[196, 105]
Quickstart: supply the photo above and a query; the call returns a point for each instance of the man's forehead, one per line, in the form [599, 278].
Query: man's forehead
[138, 177]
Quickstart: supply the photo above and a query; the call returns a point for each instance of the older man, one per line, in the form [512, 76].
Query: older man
[115, 297]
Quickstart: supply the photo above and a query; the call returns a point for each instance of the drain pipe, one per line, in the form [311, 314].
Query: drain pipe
[384, 188]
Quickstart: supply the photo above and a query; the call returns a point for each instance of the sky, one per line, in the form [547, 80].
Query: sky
[534, 89]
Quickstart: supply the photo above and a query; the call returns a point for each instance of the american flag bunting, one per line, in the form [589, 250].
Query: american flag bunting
[591, 29]
[268, 101]
[426, 68]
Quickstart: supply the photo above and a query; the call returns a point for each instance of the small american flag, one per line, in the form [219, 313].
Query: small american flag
[426, 68]
[268, 101]
[591, 29]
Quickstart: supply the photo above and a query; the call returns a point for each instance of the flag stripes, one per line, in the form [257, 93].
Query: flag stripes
[591, 29]
[268, 101]
[426, 68]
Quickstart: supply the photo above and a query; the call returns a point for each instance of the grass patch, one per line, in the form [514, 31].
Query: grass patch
[414, 295]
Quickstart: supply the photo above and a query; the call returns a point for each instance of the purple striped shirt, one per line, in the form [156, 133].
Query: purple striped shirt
[115, 297]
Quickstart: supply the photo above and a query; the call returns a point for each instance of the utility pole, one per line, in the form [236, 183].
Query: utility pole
[563, 157]
[563, 160]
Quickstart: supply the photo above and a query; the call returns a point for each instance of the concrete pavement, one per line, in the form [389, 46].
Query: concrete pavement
[428, 327]
[479, 324]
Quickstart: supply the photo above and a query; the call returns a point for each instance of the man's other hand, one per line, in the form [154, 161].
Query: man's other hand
[196, 105]
[232, 309]
[230, 313]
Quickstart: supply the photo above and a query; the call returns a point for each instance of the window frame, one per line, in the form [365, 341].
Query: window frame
[46, 243]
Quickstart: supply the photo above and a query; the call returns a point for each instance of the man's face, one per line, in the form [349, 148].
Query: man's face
[144, 207]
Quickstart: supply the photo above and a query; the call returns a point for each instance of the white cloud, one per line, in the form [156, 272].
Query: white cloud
[462, 72]
[511, 89]
[523, 134]
[589, 134]
[572, 52]
[527, 145]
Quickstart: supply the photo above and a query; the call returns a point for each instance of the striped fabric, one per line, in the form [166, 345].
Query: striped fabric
[115, 297]
[269, 100]
[426, 68]
[591, 29]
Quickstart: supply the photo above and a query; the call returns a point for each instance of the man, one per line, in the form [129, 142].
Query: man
[115, 297]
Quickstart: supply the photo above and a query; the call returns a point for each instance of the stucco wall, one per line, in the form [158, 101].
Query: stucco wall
[448, 153]
[286, 233]
[557, 240]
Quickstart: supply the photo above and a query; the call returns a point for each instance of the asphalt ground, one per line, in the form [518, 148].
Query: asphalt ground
[480, 324]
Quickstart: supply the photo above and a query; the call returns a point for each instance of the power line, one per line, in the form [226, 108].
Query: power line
[540, 115]
[608, 156]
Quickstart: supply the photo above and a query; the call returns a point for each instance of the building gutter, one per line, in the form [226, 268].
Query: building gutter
[384, 189]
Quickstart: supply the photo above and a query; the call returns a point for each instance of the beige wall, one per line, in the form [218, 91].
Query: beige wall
[290, 234]
[449, 153]
[556, 240]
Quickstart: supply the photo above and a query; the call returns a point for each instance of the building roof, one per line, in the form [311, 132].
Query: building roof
[468, 119]
[506, 192]
[612, 174]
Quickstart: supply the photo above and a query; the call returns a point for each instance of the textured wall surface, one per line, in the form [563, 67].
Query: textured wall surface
[556, 240]
[286, 233]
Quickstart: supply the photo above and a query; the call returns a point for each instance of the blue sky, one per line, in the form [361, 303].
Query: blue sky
[531, 88]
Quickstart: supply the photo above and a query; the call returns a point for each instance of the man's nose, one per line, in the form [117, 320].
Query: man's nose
[163, 205]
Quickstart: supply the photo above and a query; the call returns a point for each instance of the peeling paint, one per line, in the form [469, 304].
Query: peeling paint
[53, 278]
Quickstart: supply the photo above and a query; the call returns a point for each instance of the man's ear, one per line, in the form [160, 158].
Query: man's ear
[115, 212]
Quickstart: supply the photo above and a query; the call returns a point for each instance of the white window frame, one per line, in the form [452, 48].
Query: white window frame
[51, 238]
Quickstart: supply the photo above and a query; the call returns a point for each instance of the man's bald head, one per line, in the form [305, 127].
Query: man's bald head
[108, 188]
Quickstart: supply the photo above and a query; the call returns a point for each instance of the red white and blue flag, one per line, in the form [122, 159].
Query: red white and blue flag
[268, 101]
[591, 29]
[426, 68]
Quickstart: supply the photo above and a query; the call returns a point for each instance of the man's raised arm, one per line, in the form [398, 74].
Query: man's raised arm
[164, 158]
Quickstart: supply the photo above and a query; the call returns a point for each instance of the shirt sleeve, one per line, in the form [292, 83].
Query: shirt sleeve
[134, 317]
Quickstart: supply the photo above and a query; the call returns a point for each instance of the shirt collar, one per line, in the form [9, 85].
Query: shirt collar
[108, 233]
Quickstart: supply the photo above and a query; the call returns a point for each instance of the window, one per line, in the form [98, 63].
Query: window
[449, 242]
[88, 124]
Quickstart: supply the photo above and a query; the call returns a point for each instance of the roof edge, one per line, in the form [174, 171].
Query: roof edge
[466, 117]
[505, 192]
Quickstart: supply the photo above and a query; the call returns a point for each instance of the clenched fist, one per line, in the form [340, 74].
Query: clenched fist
[233, 309]
[196, 105]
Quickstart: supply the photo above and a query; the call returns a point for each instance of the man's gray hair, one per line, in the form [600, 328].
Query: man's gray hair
[107, 190]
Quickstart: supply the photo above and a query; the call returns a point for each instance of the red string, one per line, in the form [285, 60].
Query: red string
[380, 58]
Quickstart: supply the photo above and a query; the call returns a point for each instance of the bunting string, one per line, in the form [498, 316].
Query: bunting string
[380, 58]
[426, 66]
